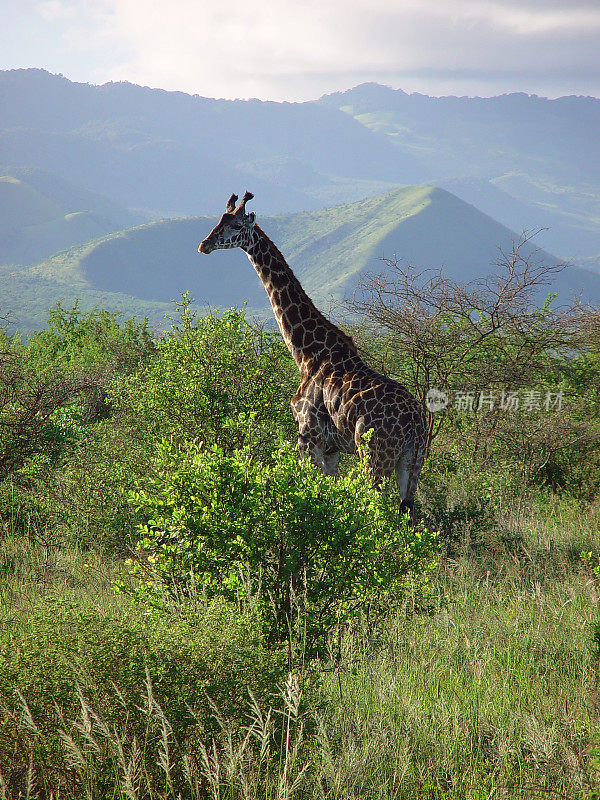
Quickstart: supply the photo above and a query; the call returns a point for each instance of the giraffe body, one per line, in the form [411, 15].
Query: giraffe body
[340, 397]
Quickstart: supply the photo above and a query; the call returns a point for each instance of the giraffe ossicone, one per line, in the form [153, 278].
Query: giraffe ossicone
[340, 397]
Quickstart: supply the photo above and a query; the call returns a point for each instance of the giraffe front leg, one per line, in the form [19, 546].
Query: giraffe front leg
[309, 445]
[311, 432]
[332, 461]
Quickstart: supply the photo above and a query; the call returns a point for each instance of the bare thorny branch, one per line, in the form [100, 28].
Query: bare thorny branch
[494, 331]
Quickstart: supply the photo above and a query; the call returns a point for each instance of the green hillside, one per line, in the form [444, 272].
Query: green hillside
[26, 298]
[40, 213]
[329, 249]
[19, 202]
[146, 267]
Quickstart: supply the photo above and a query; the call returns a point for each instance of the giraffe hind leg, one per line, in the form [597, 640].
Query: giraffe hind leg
[413, 472]
[403, 474]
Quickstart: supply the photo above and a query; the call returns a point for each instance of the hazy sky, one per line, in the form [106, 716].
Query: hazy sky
[286, 50]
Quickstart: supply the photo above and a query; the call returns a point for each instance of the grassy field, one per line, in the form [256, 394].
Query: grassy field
[493, 695]
[497, 694]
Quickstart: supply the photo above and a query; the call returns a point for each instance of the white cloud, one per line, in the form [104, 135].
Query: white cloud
[51, 10]
[286, 49]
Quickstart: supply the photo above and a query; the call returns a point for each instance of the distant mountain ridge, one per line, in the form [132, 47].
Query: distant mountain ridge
[509, 132]
[492, 151]
[169, 153]
[83, 164]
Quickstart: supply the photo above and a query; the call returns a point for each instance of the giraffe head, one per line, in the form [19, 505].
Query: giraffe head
[234, 229]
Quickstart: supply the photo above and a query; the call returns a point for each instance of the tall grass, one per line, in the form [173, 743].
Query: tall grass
[494, 695]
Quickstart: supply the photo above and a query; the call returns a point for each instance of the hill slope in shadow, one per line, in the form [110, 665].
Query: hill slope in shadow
[40, 213]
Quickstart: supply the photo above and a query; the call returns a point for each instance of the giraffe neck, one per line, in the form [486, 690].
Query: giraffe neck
[309, 335]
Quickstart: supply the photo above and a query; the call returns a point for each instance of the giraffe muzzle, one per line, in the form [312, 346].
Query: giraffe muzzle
[205, 247]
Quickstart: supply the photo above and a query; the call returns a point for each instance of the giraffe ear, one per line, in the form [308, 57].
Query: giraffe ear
[252, 217]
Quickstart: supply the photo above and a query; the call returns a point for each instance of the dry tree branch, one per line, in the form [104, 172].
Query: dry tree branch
[492, 331]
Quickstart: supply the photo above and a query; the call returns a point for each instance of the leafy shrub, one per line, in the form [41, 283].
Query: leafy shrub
[216, 377]
[315, 549]
[28, 401]
[67, 366]
[81, 496]
[56, 461]
[75, 340]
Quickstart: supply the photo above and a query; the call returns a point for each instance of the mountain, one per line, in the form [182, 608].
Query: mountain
[529, 161]
[171, 153]
[168, 153]
[449, 136]
[83, 164]
[40, 213]
[330, 250]
[568, 227]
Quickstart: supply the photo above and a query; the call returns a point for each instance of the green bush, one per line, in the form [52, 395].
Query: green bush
[216, 377]
[314, 549]
[74, 340]
[52, 396]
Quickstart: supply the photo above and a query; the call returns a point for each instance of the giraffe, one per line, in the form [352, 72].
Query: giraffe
[340, 397]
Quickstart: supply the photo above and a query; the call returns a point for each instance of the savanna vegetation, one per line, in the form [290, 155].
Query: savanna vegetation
[188, 612]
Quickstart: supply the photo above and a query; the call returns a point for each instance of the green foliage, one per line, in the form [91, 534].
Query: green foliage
[62, 468]
[28, 401]
[74, 339]
[93, 677]
[70, 362]
[242, 547]
[227, 524]
[216, 377]
[81, 497]
[496, 694]
[63, 641]
[575, 468]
